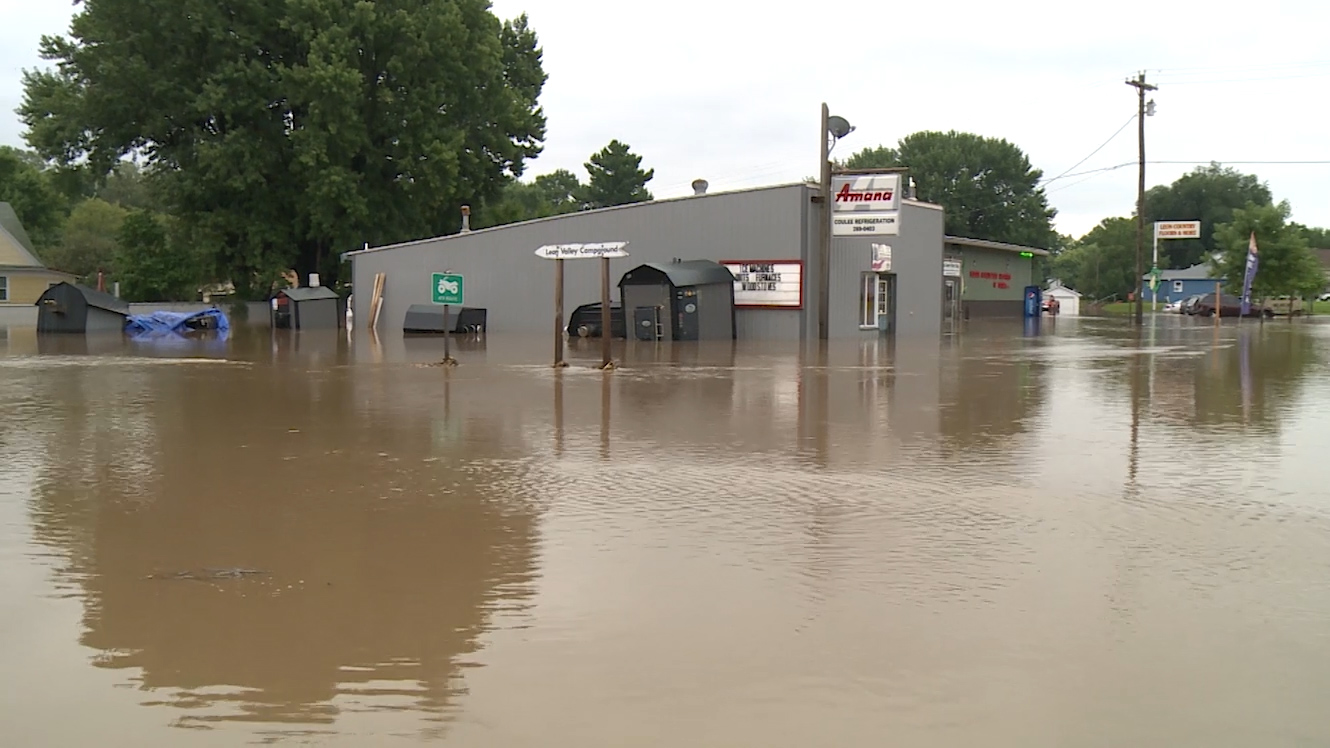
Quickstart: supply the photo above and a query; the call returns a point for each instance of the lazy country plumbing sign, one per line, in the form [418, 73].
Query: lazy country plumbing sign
[865, 205]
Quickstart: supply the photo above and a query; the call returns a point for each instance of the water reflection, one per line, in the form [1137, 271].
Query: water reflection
[383, 557]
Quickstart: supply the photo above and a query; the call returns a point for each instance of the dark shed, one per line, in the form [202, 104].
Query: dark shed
[67, 307]
[692, 300]
[315, 308]
[427, 319]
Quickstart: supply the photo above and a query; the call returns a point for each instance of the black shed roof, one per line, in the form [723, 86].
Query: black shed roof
[679, 274]
[308, 294]
[94, 298]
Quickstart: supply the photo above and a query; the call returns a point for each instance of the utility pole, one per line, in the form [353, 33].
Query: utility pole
[1141, 87]
[824, 232]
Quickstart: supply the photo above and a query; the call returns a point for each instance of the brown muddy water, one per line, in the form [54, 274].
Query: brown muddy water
[1070, 539]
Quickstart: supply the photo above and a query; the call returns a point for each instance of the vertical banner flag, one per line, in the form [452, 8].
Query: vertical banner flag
[1253, 260]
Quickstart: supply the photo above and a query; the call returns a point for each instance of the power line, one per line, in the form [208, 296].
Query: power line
[1092, 153]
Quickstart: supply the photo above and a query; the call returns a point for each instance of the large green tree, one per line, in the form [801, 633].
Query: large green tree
[1101, 264]
[547, 195]
[152, 263]
[987, 186]
[285, 132]
[34, 196]
[89, 239]
[1287, 266]
[615, 177]
[1209, 194]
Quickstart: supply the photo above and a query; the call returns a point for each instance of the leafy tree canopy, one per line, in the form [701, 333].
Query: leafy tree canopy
[33, 195]
[987, 186]
[615, 178]
[88, 240]
[285, 132]
[151, 264]
[1287, 266]
[1101, 264]
[1209, 194]
[548, 195]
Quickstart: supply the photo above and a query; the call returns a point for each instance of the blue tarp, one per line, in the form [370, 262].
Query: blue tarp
[169, 325]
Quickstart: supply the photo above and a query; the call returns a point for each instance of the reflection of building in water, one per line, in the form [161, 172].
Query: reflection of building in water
[383, 556]
[989, 395]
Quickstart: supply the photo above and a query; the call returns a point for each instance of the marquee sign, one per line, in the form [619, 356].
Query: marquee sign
[773, 284]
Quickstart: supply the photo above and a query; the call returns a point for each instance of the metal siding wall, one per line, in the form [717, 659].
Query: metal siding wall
[100, 320]
[979, 260]
[517, 288]
[636, 296]
[916, 260]
[714, 306]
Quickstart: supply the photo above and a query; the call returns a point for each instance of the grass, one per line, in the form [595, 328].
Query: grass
[1126, 308]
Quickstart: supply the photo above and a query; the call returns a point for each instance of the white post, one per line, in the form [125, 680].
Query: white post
[1154, 263]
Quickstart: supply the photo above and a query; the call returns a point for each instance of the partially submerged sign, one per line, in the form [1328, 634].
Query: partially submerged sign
[604, 250]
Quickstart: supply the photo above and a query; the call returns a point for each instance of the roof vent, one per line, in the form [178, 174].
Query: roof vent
[700, 186]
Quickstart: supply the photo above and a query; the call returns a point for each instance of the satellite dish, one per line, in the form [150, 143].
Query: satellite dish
[839, 127]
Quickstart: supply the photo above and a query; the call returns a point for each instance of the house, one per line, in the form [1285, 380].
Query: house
[1069, 301]
[23, 277]
[1175, 285]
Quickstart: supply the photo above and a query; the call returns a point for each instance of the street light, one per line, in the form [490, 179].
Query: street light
[833, 129]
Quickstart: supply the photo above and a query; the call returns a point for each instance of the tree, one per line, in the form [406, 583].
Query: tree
[1287, 266]
[1101, 264]
[1209, 194]
[615, 178]
[548, 195]
[34, 197]
[1316, 238]
[986, 186]
[88, 241]
[149, 265]
[284, 133]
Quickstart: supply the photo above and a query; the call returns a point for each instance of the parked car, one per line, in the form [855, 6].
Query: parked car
[1173, 306]
[1189, 304]
[1229, 306]
[1323, 297]
[1284, 306]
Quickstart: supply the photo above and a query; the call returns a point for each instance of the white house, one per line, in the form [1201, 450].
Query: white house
[1069, 301]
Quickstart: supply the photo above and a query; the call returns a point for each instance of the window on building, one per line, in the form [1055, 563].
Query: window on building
[1177, 286]
[4, 288]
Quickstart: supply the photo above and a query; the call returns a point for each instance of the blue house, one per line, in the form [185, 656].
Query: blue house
[1176, 285]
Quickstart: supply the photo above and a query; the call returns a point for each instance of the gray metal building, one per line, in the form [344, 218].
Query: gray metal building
[768, 237]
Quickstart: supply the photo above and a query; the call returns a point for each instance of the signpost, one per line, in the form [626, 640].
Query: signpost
[560, 252]
[1168, 230]
[446, 289]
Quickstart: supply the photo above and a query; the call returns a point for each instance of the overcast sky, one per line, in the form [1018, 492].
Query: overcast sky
[730, 91]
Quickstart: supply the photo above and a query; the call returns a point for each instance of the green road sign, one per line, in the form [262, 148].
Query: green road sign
[447, 288]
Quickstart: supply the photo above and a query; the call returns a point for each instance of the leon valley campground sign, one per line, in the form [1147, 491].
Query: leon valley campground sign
[447, 289]
[605, 250]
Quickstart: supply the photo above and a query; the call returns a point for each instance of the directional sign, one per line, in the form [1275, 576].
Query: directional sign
[582, 251]
[447, 289]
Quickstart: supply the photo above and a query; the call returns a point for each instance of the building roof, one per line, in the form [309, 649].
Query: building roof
[309, 294]
[687, 272]
[1199, 271]
[1056, 286]
[15, 245]
[961, 241]
[96, 298]
[787, 185]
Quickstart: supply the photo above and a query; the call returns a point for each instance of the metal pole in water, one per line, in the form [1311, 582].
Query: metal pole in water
[1219, 303]
[605, 332]
[447, 333]
[558, 313]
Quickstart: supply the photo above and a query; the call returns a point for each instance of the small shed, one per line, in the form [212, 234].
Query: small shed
[1069, 301]
[312, 308]
[679, 300]
[68, 307]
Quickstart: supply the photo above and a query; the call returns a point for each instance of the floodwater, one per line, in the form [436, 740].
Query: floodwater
[1070, 538]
